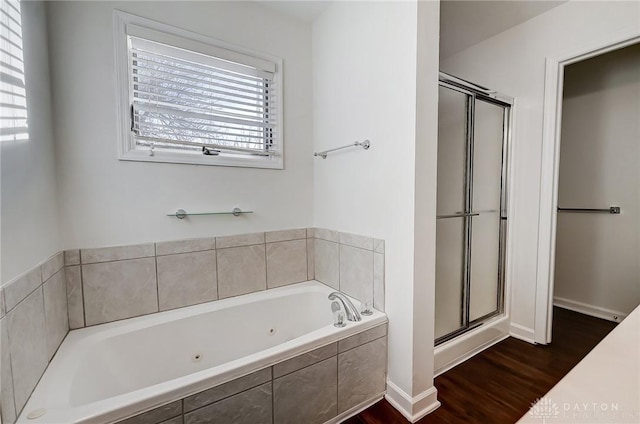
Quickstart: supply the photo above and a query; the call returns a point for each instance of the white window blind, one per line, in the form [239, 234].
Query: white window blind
[188, 101]
[13, 95]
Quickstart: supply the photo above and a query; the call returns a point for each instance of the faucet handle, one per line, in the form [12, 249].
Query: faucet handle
[338, 318]
[366, 307]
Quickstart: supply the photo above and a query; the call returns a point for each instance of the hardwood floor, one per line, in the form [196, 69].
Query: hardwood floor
[498, 385]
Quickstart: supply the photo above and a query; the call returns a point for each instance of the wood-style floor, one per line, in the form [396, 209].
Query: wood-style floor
[498, 385]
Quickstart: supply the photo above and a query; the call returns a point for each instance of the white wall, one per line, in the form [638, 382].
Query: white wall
[29, 191]
[109, 202]
[513, 62]
[366, 69]
[597, 256]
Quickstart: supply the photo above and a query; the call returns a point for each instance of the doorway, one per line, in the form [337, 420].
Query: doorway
[549, 200]
[597, 271]
[473, 134]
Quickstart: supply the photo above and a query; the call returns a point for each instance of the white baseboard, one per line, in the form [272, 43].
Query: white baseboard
[523, 333]
[355, 410]
[454, 352]
[412, 408]
[592, 310]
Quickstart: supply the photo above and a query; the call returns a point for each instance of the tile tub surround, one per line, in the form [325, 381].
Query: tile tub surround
[84, 287]
[312, 388]
[114, 283]
[33, 323]
[350, 263]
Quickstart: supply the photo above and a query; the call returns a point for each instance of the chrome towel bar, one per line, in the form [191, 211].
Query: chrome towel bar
[181, 213]
[614, 210]
[364, 144]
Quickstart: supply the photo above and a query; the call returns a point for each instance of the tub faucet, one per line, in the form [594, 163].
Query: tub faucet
[350, 310]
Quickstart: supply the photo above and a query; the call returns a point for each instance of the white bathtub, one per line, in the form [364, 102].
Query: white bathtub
[108, 372]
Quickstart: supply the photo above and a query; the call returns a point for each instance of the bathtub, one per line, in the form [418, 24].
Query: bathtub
[109, 372]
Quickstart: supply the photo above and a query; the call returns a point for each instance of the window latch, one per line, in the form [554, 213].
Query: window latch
[208, 151]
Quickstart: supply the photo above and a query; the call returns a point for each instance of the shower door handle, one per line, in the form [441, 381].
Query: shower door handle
[458, 215]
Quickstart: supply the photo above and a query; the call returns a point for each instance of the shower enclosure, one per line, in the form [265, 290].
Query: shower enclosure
[473, 134]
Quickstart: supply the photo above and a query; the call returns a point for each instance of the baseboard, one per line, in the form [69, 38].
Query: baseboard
[355, 410]
[454, 352]
[412, 408]
[523, 333]
[584, 308]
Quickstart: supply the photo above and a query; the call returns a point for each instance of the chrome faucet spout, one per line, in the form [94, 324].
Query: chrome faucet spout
[350, 310]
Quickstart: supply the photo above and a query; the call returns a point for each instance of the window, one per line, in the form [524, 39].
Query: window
[186, 98]
[13, 95]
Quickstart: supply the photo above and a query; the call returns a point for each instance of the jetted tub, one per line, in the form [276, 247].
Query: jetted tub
[112, 371]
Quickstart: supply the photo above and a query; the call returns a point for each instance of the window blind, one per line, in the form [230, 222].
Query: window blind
[186, 100]
[13, 95]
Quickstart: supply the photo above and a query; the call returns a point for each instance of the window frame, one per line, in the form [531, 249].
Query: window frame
[126, 24]
[13, 86]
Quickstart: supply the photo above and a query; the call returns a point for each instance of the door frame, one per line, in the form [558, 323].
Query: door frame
[549, 174]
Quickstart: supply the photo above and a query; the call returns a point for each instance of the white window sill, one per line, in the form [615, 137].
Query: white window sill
[226, 159]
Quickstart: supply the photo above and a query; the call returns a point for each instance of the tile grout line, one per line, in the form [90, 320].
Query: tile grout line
[84, 303]
[215, 260]
[133, 258]
[306, 254]
[155, 261]
[273, 398]
[84, 318]
[266, 271]
[15, 408]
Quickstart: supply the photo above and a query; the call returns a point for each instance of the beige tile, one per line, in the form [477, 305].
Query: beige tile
[225, 390]
[185, 246]
[311, 232]
[241, 270]
[324, 234]
[356, 241]
[361, 374]
[75, 303]
[72, 257]
[56, 315]
[21, 287]
[362, 338]
[187, 279]
[7, 403]
[378, 246]
[253, 406]
[305, 360]
[52, 265]
[27, 346]
[239, 240]
[327, 262]
[378, 281]
[118, 290]
[284, 235]
[286, 262]
[307, 395]
[356, 272]
[156, 415]
[117, 253]
[311, 257]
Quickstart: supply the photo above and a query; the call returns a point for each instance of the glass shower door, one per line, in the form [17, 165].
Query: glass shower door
[451, 226]
[486, 202]
[471, 217]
